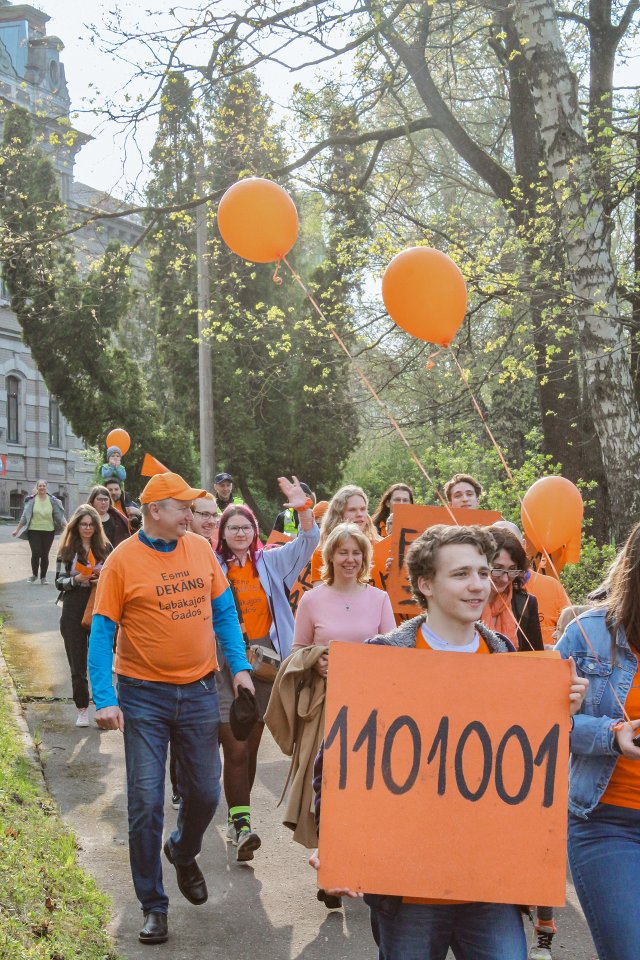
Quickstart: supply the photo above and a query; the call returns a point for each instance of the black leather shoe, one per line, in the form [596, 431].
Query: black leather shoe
[156, 928]
[191, 883]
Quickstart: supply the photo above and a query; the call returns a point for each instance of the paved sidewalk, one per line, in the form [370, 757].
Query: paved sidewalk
[264, 910]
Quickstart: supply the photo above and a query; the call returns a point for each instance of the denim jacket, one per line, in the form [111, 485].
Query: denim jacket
[593, 758]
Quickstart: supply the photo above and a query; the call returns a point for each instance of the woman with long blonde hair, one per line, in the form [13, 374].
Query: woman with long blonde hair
[349, 504]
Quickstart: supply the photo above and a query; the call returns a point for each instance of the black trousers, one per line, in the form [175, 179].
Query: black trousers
[40, 542]
[76, 642]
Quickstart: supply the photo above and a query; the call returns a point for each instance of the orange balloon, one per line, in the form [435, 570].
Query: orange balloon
[425, 293]
[258, 220]
[119, 438]
[552, 511]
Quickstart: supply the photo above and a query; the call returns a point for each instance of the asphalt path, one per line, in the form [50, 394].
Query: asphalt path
[267, 908]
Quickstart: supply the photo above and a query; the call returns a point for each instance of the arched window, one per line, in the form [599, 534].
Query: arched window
[54, 422]
[13, 410]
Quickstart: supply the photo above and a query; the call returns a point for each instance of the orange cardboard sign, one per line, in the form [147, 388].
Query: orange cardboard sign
[409, 521]
[463, 757]
[275, 537]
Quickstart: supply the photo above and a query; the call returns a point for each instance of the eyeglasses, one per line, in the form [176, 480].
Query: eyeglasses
[87, 526]
[205, 514]
[102, 499]
[240, 531]
[500, 572]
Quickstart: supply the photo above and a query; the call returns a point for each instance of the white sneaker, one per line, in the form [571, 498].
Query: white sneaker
[82, 719]
[44, 581]
[31, 579]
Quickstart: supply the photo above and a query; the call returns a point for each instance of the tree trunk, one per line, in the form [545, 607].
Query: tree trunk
[584, 227]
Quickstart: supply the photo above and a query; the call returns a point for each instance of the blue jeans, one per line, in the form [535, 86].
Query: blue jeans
[604, 855]
[422, 931]
[188, 717]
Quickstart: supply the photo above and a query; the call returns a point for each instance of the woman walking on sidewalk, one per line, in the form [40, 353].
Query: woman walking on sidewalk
[42, 517]
[260, 581]
[83, 550]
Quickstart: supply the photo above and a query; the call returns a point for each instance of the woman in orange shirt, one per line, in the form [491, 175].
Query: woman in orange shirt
[260, 581]
[83, 550]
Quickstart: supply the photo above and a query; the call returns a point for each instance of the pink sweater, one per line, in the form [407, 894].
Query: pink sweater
[323, 616]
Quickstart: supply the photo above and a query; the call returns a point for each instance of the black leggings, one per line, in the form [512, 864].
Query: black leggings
[40, 542]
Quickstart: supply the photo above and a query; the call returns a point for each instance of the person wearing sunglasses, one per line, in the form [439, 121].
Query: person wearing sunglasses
[260, 581]
[511, 610]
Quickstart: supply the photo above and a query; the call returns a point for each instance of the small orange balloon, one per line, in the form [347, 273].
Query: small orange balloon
[119, 438]
[552, 511]
[258, 220]
[425, 293]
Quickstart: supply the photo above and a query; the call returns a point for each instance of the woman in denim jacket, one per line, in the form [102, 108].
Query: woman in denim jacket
[604, 784]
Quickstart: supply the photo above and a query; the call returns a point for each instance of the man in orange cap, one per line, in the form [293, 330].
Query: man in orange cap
[165, 589]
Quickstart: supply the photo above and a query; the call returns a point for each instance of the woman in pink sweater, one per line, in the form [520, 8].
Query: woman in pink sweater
[344, 606]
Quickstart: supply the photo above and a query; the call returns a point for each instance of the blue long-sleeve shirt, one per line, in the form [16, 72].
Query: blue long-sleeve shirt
[225, 625]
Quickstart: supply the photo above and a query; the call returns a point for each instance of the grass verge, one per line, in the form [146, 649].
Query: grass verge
[49, 908]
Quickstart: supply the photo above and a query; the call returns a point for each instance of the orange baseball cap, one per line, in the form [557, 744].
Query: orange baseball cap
[169, 486]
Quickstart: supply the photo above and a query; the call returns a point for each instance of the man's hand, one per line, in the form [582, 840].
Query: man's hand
[243, 679]
[625, 736]
[110, 718]
[314, 861]
[577, 690]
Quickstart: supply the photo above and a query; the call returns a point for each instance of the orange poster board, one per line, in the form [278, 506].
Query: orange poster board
[275, 537]
[468, 753]
[409, 521]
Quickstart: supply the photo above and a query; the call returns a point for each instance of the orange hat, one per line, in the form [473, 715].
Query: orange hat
[165, 486]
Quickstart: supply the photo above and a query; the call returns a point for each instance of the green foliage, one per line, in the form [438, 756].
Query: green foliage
[282, 400]
[581, 578]
[48, 906]
[67, 319]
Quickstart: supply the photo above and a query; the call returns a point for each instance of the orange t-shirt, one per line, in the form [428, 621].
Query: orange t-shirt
[162, 601]
[253, 601]
[552, 599]
[422, 644]
[118, 505]
[623, 789]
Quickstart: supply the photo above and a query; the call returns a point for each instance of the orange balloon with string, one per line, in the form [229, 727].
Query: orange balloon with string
[552, 511]
[425, 293]
[119, 438]
[258, 220]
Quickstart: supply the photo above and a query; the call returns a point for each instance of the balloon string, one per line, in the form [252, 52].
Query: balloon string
[526, 513]
[392, 420]
[276, 278]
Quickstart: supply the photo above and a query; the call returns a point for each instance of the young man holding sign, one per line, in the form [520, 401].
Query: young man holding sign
[449, 571]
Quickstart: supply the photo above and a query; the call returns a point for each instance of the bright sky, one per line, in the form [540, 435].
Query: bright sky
[109, 163]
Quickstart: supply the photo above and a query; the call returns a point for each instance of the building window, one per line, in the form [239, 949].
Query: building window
[54, 422]
[16, 504]
[13, 410]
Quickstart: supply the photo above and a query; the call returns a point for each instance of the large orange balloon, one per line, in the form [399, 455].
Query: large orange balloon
[258, 220]
[552, 510]
[425, 293]
[119, 438]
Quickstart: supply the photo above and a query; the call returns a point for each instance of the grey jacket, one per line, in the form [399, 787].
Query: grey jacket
[278, 570]
[405, 636]
[59, 519]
